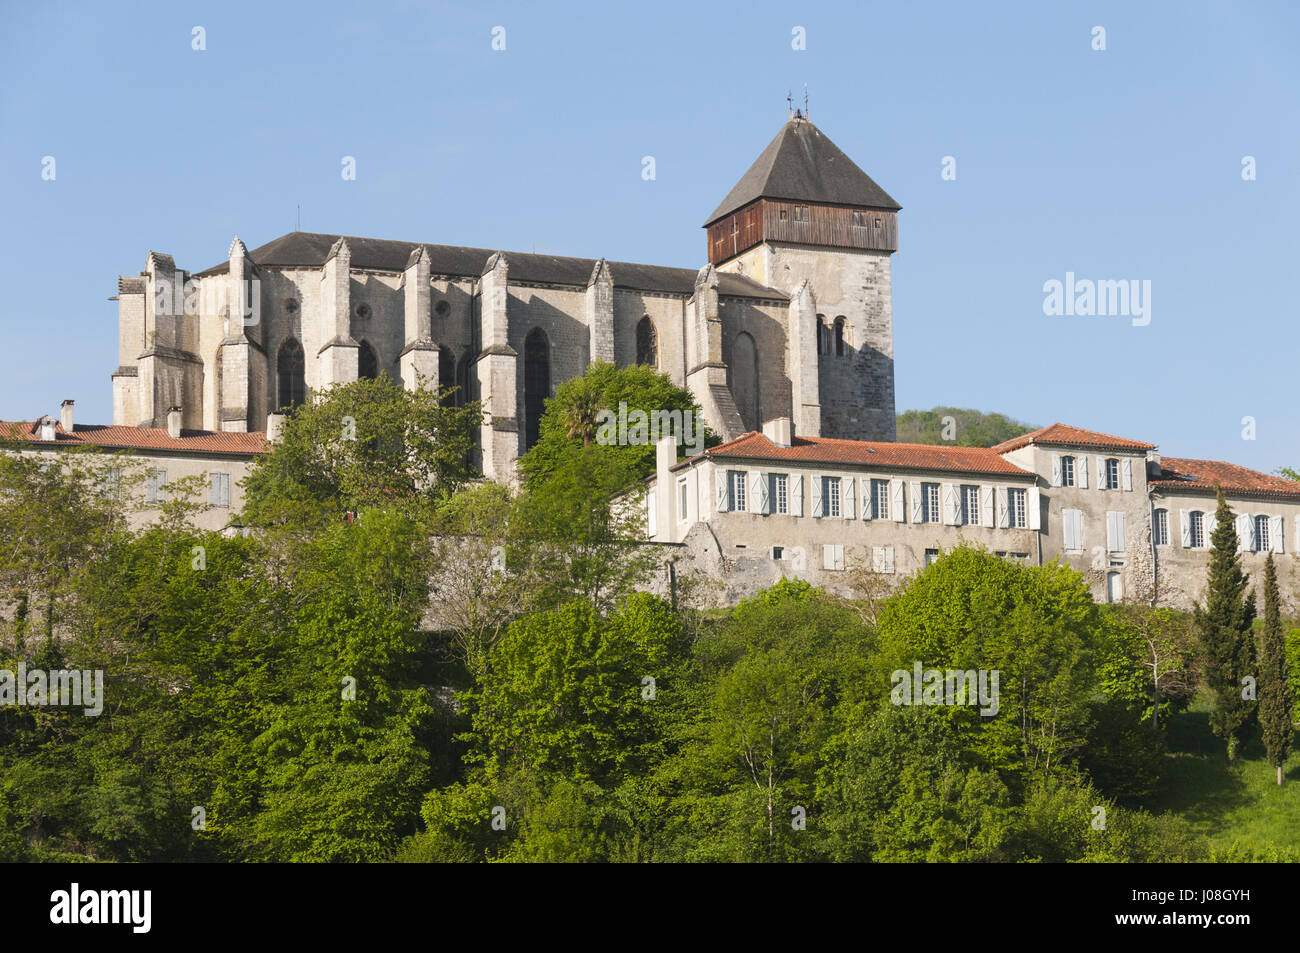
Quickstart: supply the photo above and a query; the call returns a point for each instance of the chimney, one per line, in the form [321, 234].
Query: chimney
[1153, 466]
[777, 430]
[174, 422]
[45, 429]
[274, 427]
[67, 417]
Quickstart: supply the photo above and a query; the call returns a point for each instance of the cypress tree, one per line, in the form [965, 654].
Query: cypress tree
[1224, 623]
[1275, 701]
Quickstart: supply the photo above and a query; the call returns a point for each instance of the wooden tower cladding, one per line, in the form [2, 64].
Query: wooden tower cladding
[803, 223]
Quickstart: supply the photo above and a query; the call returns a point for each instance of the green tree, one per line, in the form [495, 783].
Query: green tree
[366, 443]
[58, 514]
[1037, 627]
[1225, 626]
[957, 426]
[776, 670]
[565, 692]
[571, 419]
[580, 533]
[1276, 703]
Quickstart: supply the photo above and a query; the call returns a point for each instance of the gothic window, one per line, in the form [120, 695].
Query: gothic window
[823, 339]
[447, 371]
[647, 343]
[464, 380]
[742, 374]
[839, 336]
[290, 374]
[367, 362]
[537, 383]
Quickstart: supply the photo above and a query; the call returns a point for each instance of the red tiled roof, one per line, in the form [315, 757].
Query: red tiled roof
[1059, 433]
[137, 438]
[912, 456]
[1177, 473]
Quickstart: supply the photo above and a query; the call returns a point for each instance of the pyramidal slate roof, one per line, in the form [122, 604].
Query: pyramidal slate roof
[801, 164]
[311, 250]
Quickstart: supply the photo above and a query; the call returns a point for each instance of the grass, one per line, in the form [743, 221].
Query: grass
[1229, 804]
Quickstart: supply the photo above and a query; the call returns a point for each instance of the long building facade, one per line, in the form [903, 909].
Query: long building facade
[771, 504]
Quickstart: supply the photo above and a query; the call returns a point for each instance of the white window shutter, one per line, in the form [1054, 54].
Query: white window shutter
[918, 502]
[986, 506]
[1032, 502]
[897, 505]
[1081, 472]
[652, 527]
[1115, 532]
[757, 502]
[1004, 508]
[795, 487]
[866, 498]
[1208, 522]
[889, 559]
[1056, 469]
[724, 489]
[1275, 534]
[951, 505]
[1073, 530]
[1187, 528]
[1251, 539]
[1126, 468]
[1101, 473]
[815, 480]
[846, 504]
[877, 559]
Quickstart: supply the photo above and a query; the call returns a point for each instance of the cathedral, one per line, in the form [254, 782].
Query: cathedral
[789, 318]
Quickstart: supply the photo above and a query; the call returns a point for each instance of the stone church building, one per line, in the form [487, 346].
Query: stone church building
[790, 317]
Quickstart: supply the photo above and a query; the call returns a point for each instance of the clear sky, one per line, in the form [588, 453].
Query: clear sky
[1117, 164]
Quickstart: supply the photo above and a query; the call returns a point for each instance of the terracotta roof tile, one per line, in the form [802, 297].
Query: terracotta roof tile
[1178, 473]
[137, 438]
[1059, 433]
[910, 456]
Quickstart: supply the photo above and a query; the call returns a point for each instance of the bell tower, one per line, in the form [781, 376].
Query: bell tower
[804, 212]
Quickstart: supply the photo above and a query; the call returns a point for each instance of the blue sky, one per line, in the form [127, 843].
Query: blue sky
[1119, 164]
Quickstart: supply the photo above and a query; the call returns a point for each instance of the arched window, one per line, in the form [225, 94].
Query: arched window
[446, 373]
[537, 383]
[647, 343]
[822, 336]
[367, 362]
[290, 375]
[839, 336]
[465, 379]
[742, 371]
